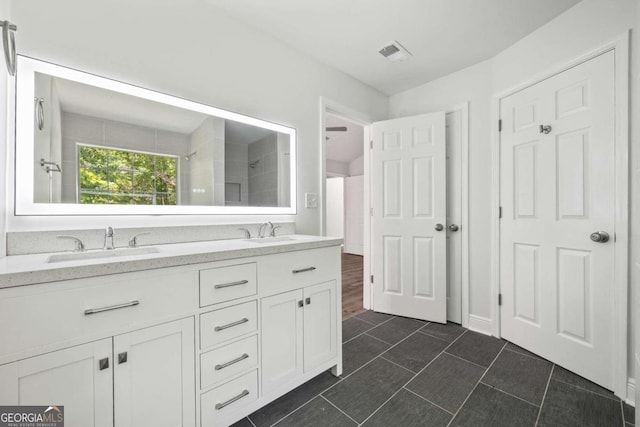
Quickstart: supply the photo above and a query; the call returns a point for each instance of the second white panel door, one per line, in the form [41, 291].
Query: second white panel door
[557, 189]
[409, 217]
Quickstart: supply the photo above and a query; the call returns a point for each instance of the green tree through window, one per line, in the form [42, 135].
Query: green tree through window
[112, 176]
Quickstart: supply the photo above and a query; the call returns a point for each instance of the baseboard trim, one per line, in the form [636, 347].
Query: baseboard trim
[480, 324]
[631, 392]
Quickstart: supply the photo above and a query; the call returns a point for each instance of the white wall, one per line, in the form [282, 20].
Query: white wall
[635, 230]
[580, 29]
[334, 167]
[335, 207]
[190, 49]
[356, 166]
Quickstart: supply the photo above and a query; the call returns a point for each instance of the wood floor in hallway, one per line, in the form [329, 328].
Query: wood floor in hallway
[352, 267]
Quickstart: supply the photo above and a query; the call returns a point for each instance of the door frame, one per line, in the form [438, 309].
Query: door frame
[620, 45]
[329, 106]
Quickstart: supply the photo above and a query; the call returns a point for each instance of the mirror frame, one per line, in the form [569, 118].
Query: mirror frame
[24, 148]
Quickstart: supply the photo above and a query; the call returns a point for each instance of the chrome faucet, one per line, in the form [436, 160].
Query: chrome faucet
[263, 229]
[79, 245]
[247, 233]
[133, 241]
[108, 239]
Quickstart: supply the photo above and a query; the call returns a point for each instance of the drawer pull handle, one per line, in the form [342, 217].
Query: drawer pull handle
[232, 362]
[231, 325]
[302, 270]
[228, 285]
[233, 399]
[111, 307]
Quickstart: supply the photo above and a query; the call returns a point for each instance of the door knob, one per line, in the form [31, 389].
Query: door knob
[600, 237]
[454, 227]
[439, 227]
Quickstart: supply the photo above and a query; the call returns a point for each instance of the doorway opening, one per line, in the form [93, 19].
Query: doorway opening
[344, 207]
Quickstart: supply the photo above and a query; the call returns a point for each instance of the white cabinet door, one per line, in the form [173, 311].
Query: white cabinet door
[319, 324]
[557, 188]
[282, 345]
[71, 377]
[408, 241]
[154, 370]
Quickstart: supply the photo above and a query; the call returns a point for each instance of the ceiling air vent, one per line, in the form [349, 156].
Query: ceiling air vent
[395, 52]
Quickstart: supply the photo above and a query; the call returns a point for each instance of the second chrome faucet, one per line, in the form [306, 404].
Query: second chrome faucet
[108, 239]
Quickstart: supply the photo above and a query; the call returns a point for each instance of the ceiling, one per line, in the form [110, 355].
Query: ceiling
[92, 101]
[442, 35]
[346, 146]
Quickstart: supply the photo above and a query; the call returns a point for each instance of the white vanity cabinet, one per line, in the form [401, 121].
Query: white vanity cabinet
[298, 333]
[129, 375]
[202, 344]
[71, 377]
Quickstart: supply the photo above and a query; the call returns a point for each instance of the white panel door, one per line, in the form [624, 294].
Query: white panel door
[154, 370]
[557, 188]
[409, 203]
[354, 215]
[72, 378]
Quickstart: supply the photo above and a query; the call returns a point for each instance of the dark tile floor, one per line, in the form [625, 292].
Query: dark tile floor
[404, 372]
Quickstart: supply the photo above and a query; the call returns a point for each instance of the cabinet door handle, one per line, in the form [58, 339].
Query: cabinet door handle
[40, 113]
[233, 399]
[103, 363]
[111, 307]
[302, 270]
[228, 285]
[307, 300]
[231, 325]
[231, 362]
[122, 358]
[300, 303]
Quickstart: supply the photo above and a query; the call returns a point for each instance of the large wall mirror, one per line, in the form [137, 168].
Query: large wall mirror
[87, 145]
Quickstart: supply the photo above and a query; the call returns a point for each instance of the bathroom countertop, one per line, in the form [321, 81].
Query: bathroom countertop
[21, 270]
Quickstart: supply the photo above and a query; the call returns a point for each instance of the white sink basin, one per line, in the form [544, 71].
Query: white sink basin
[265, 240]
[99, 254]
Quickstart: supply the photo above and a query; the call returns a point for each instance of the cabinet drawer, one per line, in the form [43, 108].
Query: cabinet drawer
[222, 402]
[227, 283]
[282, 272]
[228, 323]
[56, 313]
[227, 361]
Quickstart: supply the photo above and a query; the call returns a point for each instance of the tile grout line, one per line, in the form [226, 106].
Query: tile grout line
[252, 423]
[522, 354]
[476, 386]
[412, 378]
[373, 326]
[624, 423]
[303, 404]
[341, 379]
[427, 400]
[465, 360]
[374, 358]
[509, 394]
[397, 364]
[615, 398]
[544, 396]
[341, 411]
[432, 336]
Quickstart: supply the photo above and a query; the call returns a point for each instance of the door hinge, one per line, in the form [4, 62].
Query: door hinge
[372, 278]
[499, 299]
[500, 125]
[371, 211]
[371, 145]
[499, 211]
